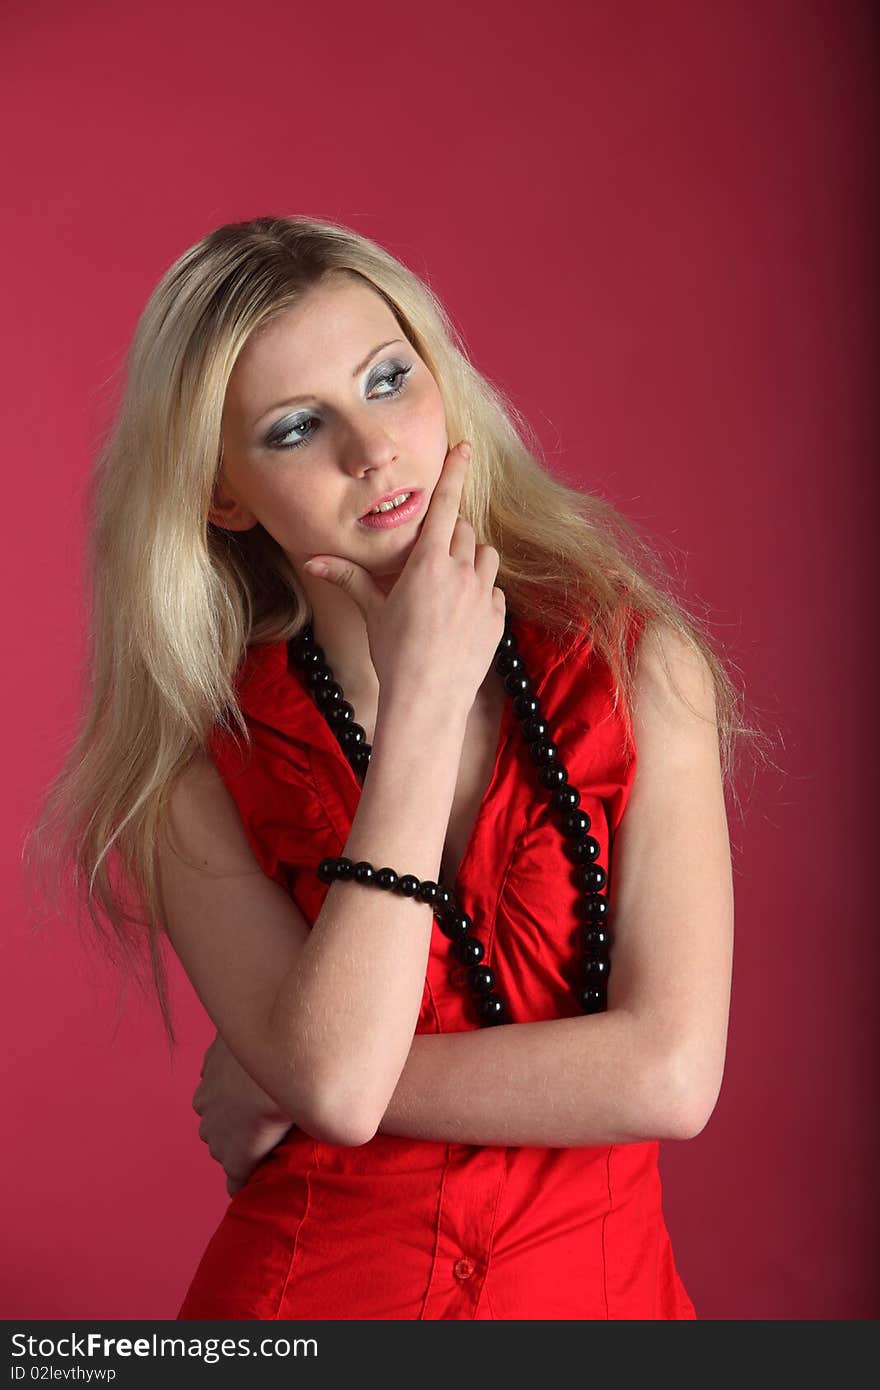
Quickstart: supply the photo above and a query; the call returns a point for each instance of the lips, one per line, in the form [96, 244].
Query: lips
[393, 517]
[387, 497]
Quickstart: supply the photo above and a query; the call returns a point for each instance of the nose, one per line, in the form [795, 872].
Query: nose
[369, 448]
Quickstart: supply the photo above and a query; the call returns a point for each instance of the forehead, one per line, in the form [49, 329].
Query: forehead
[333, 327]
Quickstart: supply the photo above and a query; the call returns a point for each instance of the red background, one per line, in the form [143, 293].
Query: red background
[657, 226]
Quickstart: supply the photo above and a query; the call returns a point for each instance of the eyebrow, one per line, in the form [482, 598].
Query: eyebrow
[293, 400]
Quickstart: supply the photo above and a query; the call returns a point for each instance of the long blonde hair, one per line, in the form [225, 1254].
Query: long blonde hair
[175, 600]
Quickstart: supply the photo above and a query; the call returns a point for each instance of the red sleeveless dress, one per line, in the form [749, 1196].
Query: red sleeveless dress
[403, 1228]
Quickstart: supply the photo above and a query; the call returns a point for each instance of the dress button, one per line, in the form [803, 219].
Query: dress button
[463, 1269]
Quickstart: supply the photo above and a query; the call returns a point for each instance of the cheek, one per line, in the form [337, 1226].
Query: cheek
[432, 416]
[297, 512]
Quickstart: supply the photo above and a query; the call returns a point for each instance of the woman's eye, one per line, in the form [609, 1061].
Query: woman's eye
[398, 374]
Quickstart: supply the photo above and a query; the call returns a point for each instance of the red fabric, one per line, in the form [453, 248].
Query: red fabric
[402, 1228]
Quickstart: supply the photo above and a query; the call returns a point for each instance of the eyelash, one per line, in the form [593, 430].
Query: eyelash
[274, 441]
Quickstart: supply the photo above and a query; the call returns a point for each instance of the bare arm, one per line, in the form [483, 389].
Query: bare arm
[651, 1065]
[348, 1011]
[320, 1019]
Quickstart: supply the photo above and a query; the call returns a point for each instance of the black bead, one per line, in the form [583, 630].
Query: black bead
[582, 848]
[408, 885]
[526, 705]
[490, 1007]
[494, 1019]
[312, 657]
[506, 660]
[352, 736]
[592, 908]
[386, 878]
[428, 891]
[517, 683]
[576, 823]
[543, 752]
[480, 978]
[511, 663]
[535, 728]
[327, 870]
[469, 950]
[553, 775]
[592, 999]
[595, 969]
[595, 939]
[364, 871]
[339, 715]
[593, 876]
[455, 925]
[318, 676]
[443, 900]
[566, 798]
[329, 696]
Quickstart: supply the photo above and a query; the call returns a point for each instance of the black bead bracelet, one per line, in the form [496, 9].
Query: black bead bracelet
[454, 924]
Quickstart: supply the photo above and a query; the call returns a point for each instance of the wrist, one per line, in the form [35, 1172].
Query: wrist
[419, 721]
[272, 1116]
[264, 1108]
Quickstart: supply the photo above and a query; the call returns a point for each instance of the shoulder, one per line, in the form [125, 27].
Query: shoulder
[197, 781]
[202, 816]
[673, 683]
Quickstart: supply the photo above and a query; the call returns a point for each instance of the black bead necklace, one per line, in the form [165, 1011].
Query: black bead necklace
[591, 907]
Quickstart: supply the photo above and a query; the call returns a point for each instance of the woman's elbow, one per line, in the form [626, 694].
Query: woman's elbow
[682, 1102]
[330, 1124]
[337, 1118]
[330, 1112]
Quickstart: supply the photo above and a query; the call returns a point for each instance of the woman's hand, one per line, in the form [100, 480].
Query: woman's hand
[240, 1123]
[445, 614]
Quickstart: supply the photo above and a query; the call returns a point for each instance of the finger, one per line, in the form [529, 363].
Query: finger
[352, 578]
[443, 509]
[487, 564]
[464, 541]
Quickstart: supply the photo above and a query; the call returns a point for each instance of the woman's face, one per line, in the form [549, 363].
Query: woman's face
[320, 419]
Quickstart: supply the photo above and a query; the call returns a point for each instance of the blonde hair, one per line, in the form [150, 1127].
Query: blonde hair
[175, 600]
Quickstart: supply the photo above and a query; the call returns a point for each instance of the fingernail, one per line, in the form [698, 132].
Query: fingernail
[466, 451]
[316, 567]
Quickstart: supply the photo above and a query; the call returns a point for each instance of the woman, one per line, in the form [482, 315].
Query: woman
[438, 1091]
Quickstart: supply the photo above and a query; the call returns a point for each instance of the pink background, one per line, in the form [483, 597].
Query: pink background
[657, 226]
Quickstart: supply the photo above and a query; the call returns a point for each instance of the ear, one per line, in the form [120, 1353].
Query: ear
[226, 511]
